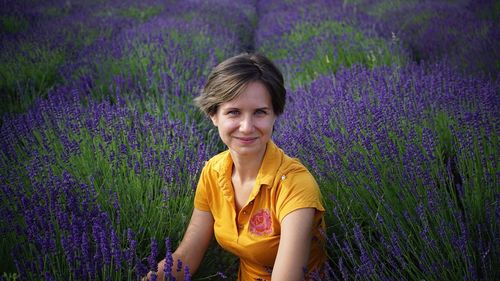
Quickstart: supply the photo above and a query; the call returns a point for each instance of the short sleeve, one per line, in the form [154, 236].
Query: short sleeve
[201, 195]
[298, 190]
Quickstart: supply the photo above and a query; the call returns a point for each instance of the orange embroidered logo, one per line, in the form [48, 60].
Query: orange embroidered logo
[261, 223]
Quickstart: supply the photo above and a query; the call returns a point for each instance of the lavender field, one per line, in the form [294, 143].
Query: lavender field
[392, 105]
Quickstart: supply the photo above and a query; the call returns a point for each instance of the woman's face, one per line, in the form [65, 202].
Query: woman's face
[246, 123]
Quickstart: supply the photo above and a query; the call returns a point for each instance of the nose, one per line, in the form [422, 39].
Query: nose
[247, 125]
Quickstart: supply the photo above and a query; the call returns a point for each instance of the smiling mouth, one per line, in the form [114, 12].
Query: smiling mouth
[246, 139]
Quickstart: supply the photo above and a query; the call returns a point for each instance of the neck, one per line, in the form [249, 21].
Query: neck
[246, 167]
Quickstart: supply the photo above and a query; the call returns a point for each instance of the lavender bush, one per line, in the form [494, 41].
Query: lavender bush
[408, 169]
[101, 164]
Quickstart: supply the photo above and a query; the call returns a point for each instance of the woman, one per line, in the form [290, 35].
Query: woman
[262, 205]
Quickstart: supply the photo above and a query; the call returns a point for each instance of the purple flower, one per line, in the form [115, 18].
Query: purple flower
[221, 275]
[187, 274]
[169, 261]
[153, 266]
[347, 249]
[116, 252]
[342, 269]
[67, 250]
[131, 252]
[85, 250]
[179, 265]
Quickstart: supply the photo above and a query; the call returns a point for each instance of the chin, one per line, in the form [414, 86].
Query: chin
[245, 150]
[248, 150]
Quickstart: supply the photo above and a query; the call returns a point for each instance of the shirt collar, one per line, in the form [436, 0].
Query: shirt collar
[270, 165]
[224, 170]
[267, 172]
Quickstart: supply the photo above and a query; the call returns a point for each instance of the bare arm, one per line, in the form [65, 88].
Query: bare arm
[295, 245]
[193, 246]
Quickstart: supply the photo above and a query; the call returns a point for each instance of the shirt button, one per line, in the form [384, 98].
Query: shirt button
[240, 226]
[244, 212]
[251, 202]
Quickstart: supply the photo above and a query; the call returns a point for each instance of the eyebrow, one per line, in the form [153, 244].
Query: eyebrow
[237, 108]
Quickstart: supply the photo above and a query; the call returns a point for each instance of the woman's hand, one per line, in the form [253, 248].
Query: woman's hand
[192, 248]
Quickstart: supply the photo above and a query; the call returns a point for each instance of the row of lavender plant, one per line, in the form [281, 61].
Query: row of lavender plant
[466, 33]
[98, 174]
[403, 156]
[106, 168]
[160, 65]
[39, 38]
[104, 42]
[406, 156]
[308, 39]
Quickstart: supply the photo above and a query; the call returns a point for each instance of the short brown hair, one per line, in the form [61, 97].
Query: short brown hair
[229, 78]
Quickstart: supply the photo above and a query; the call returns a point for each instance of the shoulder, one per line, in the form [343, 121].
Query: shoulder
[296, 189]
[288, 165]
[295, 178]
[292, 168]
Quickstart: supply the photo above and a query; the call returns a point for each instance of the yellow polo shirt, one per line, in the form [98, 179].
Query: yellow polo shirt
[282, 185]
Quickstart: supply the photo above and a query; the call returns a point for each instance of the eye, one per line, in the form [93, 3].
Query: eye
[232, 112]
[261, 112]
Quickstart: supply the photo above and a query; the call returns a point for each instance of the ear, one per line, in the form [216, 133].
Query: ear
[214, 119]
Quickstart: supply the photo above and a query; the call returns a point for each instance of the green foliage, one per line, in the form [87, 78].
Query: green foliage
[28, 72]
[140, 195]
[386, 206]
[382, 8]
[81, 36]
[144, 69]
[136, 197]
[56, 11]
[10, 276]
[13, 24]
[353, 2]
[141, 13]
[496, 10]
[340, 45]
